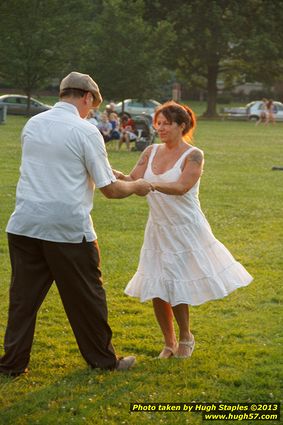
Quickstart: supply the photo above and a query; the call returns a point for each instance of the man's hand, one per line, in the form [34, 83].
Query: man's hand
[121, 189]
[142, 187]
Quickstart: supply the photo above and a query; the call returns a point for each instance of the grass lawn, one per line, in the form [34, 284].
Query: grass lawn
[238, 339]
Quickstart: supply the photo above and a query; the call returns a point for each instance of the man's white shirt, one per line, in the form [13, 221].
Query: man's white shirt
[63, 160]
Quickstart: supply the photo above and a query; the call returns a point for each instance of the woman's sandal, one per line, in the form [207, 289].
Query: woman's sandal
[190, 345]
[168, 352]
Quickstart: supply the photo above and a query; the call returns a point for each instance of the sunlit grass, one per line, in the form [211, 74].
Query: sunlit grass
[238, 339]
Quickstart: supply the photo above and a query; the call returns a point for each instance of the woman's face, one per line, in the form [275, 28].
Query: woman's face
[168, 131]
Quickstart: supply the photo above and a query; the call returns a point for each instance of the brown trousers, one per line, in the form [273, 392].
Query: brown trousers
[75, 269]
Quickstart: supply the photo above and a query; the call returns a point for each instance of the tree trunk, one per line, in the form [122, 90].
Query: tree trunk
[211, 90]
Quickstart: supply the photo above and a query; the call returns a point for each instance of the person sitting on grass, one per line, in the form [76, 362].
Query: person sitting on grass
[115, 123]
[105, 127]
[127, 131]
[93, 117]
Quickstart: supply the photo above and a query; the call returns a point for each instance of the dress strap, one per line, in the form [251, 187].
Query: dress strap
[152, 153]
[184, 155]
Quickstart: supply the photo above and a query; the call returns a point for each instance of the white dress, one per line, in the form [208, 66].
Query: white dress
[181, 261]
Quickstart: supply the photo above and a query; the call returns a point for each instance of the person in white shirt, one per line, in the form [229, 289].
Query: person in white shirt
[50, 233]
[93, 117]
[105, 127]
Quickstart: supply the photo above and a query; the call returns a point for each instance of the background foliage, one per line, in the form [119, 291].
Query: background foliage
[141, 48]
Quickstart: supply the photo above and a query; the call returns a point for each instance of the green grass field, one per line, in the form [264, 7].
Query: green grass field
[238, 355]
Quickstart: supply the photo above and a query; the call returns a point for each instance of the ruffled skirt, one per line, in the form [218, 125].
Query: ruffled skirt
[185, 264]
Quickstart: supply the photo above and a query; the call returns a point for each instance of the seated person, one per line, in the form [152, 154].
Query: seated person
[105, 127]
[93, 117]
[115, 123]
[109, 109]
[127, 129]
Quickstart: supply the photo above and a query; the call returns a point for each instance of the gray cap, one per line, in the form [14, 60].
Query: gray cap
[76, 80]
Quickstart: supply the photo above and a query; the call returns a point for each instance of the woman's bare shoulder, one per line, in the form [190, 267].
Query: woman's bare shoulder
[196, 155]
[145, 155]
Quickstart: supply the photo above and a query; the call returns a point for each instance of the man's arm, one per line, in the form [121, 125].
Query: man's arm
[122, 189]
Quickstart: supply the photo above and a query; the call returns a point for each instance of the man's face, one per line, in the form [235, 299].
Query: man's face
[86, 104]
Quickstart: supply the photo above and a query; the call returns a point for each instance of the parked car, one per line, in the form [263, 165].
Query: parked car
[135, 107]
[239, 113]
[17, 104]
[253, 110]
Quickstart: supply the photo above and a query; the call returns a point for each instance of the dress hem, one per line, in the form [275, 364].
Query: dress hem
[191, 303]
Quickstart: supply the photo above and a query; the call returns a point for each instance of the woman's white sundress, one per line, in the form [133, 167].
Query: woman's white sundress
[181, 261]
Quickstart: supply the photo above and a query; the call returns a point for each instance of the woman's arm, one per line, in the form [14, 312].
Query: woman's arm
[191, 173]
[138, 170]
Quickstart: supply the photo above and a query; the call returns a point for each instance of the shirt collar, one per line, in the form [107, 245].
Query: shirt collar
[67, 107]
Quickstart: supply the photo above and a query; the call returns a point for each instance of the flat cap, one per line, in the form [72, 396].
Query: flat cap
[76, 80]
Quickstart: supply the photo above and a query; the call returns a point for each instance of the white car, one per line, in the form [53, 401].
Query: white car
[135, 107]
[253, 110]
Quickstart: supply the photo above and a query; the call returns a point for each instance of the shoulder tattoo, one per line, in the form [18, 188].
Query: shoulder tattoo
[196, 156]
[144, 158]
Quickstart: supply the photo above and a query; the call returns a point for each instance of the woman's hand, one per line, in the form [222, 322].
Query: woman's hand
[121, 176]
[142, 187]
[118, 174]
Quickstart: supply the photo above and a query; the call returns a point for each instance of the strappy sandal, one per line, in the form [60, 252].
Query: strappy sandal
[168, 352]
[190, 345]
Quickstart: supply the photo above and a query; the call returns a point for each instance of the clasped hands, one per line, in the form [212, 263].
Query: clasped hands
[143, 187]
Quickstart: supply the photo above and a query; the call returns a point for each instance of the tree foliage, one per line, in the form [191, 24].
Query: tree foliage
[206, 35]
[259, 51]
[36, 43]
[126, 53]
[131, 48]
[228, 39]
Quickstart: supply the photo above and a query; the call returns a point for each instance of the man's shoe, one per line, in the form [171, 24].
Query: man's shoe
[13, 374]
[125, 363]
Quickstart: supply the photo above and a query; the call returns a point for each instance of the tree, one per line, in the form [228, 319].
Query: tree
[206, 35]
[258, 54]
[231, 39]
[36, 43]
[125, 56]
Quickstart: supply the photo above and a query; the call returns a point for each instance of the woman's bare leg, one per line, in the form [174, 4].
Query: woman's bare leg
[181, 313]
[127, 140]
[164, 315]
